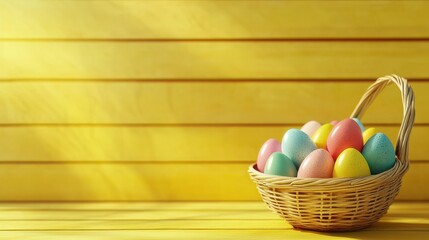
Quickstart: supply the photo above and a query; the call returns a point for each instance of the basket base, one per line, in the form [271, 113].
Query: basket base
[331, 229]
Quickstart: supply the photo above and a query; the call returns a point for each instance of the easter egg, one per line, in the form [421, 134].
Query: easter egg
[321, 135]
[350, 163]
[310, 127]
[346, 134]
[270, 146]
[279, 164]
[379, 153]
[367, 134]
[318, 164]
[362, 128]
[296, 145]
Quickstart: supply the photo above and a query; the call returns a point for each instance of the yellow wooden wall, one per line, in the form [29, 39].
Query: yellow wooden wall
[171, 100]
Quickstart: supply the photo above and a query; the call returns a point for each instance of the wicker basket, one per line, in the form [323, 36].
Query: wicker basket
[342, 204]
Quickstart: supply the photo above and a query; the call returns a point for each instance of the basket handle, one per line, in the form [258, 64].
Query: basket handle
[408, 105]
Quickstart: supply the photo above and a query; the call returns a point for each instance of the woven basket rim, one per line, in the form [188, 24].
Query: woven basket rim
[398, 170]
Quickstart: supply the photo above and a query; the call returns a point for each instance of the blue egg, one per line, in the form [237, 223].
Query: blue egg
[379, 153]
[296, 145]
[362, 128]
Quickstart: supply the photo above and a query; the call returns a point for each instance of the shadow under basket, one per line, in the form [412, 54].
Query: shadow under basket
[342, 204]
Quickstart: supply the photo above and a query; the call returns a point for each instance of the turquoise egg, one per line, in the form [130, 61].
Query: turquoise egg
[379, 153]
[296, 145]
[362, 128]
[279, 164]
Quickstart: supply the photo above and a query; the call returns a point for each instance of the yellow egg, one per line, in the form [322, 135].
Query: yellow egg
[368, 134]
[351, 163]
[320, 137]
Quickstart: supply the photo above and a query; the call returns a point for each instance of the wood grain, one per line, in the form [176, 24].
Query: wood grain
[210, 235]
[150, 182]
[212, 60]
[155, 144]
[213, 20]
[410, 208]
[187, 220]
[197, 102]
[178, 215]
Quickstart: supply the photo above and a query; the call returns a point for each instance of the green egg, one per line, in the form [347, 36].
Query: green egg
[279, 164]
[379, 153]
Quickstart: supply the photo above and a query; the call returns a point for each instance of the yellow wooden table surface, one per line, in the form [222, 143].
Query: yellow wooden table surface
[187, 220]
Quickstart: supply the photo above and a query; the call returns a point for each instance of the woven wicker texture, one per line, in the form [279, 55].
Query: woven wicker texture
[342, 204]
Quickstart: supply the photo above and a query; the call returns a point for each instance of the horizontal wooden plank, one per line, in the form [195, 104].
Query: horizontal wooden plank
[398, 207]
[160, 206]
[144, 216]
[416, 224]
[198, 102]
[188, 220]
[147, 225]
[164, 206]
[223, 215]
[154, 143]
[135, 182]
[210, 234]
[213, 60]
[201, 19]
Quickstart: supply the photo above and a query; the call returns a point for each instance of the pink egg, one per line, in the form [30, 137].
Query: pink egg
[318, 164]
[346, 134]
[310, 128]
[269, 147]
